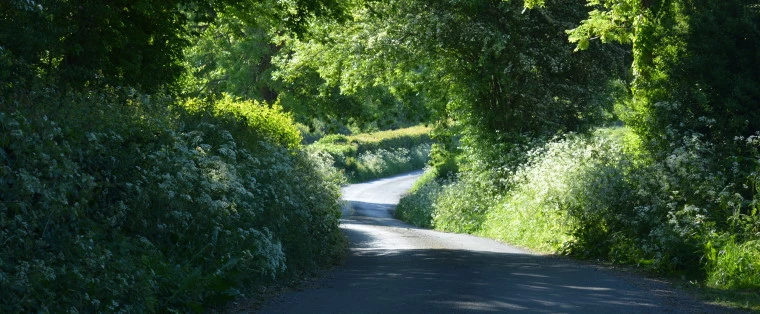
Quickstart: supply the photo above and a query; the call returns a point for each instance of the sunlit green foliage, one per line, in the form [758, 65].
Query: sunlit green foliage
[251, 56]
[381, 162]
[231, 56]
[417, 207]
[366, 156]
[734, 265]
[313, 75]
[251, 120]
[406, 137]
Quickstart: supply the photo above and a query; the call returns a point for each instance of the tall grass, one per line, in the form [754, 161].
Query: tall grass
[734, 265]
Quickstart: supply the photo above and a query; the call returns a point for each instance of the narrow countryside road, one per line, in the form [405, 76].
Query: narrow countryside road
[393, 267]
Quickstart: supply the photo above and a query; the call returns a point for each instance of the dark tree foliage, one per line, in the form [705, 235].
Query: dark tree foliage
[715, 79]
[705, 81]
[120, 42]
[695, 64]
[696, 75]
[514, 67]
[524, 76]
[502, 72]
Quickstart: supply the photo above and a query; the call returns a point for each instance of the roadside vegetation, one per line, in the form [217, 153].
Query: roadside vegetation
[664, 178]
[592, 196]
[119, 193]
[365, 156]
[172, 155]
[120, 202]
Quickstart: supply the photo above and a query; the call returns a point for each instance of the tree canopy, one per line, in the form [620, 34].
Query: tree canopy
[695, 63]
[138, 43]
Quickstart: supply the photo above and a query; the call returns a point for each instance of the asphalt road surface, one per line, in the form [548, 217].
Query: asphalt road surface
[393, 267]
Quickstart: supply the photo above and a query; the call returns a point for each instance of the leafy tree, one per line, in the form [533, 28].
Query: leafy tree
[241, 50]
[695, 77]
[231, 56]
[695, 64]
[121, 42]
[499, 71]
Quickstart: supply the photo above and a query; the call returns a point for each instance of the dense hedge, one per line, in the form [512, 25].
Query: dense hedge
[600, 196]
[113, 203]
[368, 156]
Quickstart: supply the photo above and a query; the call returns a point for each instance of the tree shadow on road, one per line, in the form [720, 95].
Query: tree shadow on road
[388, 280]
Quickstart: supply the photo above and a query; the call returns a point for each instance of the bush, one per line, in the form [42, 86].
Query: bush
[382, 163]
[251, 119]
[335, 139]
[417, 207]
[602, 196]
[111, 202]
[588, 196]
[560, 192]
[462, 206]
[369, 156]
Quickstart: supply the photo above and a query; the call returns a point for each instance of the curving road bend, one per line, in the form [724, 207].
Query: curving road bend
[393, 267]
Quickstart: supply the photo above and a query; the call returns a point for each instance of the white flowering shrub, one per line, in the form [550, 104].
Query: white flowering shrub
[685, 200]
[461, 207]
[486, 173]
[109, 202]
[593, 196]
[601, 196]
[563, 188]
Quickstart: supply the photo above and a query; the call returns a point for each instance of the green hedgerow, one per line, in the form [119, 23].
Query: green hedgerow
[600, 195]
[113, 203]
[417, 207]
[250, 119]
[367, 156]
